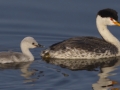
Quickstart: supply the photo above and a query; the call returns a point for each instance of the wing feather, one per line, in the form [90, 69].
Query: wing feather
[91, 44]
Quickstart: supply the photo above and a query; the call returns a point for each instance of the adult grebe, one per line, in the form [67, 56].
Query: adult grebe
[89, 47]
[26, 55]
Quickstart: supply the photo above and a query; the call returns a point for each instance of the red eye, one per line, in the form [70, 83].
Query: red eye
[111, 19]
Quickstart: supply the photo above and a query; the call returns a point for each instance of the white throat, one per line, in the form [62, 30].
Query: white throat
[106, 34]
[26, 51]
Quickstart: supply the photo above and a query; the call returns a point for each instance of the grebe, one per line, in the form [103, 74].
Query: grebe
[89, 47]
[26, 55]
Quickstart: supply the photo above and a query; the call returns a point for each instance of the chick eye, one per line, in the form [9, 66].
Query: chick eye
[33, 43]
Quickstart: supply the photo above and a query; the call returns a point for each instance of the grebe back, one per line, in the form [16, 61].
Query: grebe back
[89, 47]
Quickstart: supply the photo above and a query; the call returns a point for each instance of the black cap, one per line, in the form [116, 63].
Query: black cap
[108, 13]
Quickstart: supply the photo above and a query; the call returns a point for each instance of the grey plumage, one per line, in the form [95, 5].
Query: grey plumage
[10, 57]
[91, 44]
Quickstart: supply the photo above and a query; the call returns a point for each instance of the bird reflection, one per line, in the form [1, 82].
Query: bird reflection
[105, 65]
[76, 64]
[104, 83]
[29, 75]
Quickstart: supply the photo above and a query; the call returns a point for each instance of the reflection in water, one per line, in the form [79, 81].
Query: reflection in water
[15, 65]
[105, 65]
[82, 64]
[104, 83]
[29, 75]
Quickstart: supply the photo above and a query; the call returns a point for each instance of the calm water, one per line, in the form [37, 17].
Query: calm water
[50, 21]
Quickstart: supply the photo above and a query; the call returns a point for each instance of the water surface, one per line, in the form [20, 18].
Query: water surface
[51, 21]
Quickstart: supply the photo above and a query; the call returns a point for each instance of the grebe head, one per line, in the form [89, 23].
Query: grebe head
[108, 17]
[29, 42]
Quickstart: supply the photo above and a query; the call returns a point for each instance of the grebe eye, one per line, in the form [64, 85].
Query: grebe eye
[111, 19]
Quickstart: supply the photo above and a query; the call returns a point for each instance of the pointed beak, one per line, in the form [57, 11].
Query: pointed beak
[39, 45]
[116, 23]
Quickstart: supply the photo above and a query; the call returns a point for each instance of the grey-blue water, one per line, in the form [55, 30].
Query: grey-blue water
[51, 21]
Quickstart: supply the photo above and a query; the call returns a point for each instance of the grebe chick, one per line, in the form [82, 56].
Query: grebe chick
[89, 47]
[25, 56]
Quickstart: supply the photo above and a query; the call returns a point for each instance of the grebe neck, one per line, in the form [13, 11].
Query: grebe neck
[106, 34]
[27, 52]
